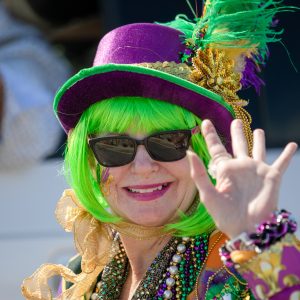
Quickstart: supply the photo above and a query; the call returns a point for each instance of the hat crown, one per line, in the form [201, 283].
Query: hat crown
[139, 43]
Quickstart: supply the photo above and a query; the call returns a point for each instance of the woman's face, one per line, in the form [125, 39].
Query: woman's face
[149, 192]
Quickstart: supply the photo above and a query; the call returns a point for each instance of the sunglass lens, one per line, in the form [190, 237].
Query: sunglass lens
[113, 152]
[168, 146]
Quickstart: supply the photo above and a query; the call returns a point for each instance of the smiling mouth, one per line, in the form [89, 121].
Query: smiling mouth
[145, 190]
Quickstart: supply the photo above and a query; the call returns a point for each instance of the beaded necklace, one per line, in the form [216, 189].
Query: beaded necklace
[172, 274]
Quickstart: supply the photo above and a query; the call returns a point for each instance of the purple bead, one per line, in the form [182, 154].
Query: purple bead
[229, 263]
[284, 229]
[285, 215]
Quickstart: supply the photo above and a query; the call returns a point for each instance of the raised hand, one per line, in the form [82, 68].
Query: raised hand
[247, 188]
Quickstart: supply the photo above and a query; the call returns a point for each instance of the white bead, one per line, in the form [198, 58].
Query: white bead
[176, 258]
[186, 239]
[170, 281]
[99, 284]
[94, 296]
[168, 294]
[181, 248]
[173, 270]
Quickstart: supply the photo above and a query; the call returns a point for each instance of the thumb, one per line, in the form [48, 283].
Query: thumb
[200, 177]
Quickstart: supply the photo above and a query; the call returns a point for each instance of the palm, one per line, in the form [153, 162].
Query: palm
[247, 188]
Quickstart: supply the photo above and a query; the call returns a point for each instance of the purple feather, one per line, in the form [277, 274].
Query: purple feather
[250, 75]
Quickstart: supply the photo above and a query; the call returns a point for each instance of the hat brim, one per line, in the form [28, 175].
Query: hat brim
[118, 80]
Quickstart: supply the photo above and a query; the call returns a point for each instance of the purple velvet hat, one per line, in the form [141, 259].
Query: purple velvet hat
[130, 61]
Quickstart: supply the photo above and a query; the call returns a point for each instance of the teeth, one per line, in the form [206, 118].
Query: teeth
[142, 191]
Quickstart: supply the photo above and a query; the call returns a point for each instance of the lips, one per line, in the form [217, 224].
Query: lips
[147, 192]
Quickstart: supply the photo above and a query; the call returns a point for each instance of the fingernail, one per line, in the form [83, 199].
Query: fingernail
[294, 145]
[206, 124]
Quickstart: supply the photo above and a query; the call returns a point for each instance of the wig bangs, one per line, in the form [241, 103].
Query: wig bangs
[135, 115]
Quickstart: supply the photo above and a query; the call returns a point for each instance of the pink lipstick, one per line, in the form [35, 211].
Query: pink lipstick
[147, 192]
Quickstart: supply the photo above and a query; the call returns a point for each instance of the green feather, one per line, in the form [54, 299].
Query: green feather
[183, 24]
[242, 28]
[228, 22]
[234, 24]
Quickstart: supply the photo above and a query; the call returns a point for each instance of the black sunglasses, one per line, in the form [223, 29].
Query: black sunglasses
[166, 146]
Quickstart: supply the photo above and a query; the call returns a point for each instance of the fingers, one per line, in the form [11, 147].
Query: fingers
[199, 175]
[259, 145]
[239, 142]
[282, 162]
[215, 147]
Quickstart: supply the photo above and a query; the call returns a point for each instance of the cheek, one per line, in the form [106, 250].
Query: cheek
[186, 187]
[109, 188]
[180, 169]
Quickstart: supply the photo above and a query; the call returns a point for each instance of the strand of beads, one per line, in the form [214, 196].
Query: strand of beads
[194, 259]
[182, 258]
[171, 283]
[113, 277]
[180, 278]
[153, 277]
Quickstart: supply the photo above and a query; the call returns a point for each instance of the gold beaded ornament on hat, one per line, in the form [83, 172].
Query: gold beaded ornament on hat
[215, 71]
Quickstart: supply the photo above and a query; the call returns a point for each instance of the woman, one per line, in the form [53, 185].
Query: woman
[149, 220]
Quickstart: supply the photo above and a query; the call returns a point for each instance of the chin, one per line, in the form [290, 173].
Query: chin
[150, 220]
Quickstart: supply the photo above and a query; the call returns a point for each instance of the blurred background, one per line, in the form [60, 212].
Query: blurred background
[42, 43]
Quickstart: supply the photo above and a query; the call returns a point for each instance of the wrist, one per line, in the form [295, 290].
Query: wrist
[267, 233]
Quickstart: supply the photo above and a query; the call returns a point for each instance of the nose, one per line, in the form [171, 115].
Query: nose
[143, 164]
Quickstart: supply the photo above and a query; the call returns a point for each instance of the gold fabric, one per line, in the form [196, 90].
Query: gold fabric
[181, 70]
[268, 267]
[93, 241]
[138, 232]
